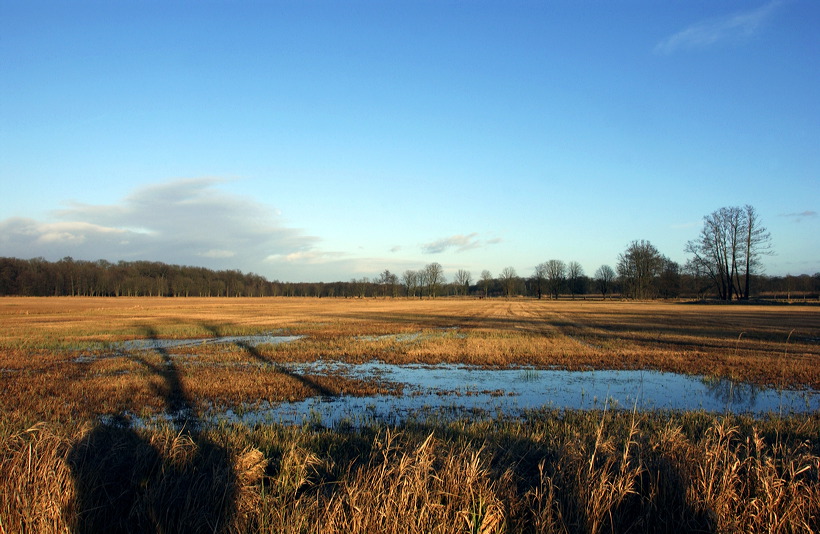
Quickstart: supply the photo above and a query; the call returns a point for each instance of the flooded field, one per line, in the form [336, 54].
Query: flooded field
[298, 415]
[353, 361]
[166, 344]
[453, 391]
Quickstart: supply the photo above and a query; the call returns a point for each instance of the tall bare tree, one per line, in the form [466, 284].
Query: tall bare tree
[462, 281]
[758, 243]
[604, 278]
[728, 249]
[485, 281]
[411, 282]
[509, 279]
[433, 278]
[669, 280]
[556, 276]
[638, 267]
[388, 282]
[540, 277]
[575, 274]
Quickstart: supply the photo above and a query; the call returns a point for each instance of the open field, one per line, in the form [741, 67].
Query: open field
[63, 366]
[57, 351]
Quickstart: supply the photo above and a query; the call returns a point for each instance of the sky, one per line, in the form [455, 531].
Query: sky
[330, 140]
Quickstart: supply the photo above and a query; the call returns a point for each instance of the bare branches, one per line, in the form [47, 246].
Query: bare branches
[728, 249]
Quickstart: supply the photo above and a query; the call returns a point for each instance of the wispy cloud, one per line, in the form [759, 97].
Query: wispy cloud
[799, 216]
[458, 242]
[306, 257]
[732, 27]
[191, 222]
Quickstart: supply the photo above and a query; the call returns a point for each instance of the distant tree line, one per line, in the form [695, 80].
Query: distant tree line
[724, 264]
[551, 279]
[69, 277]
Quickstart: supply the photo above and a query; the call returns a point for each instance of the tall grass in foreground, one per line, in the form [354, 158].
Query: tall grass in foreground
[553, 472]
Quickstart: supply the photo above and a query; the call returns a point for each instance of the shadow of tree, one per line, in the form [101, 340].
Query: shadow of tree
[254, 352]
[176, 480]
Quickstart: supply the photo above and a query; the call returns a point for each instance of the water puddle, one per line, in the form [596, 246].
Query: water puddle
[152, 344]
[163, 344]
[452, 391]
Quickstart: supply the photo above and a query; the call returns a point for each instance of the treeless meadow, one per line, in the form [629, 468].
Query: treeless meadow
[69, 376]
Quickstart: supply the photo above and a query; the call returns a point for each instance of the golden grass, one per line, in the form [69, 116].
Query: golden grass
[61, 471]
[556, 472]
[108, 479]
[54, 352]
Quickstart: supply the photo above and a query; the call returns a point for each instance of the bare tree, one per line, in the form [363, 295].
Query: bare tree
[729, 249]
[462, 281]
[359, 286]
[509, 279]
[758, 243]
[556, 276]
[669, 281]
[388, 282]
[604, 277]
[574, 275]
[638, 267]
[433, 278]
[411, 282]
[539, 277]
[486, 280]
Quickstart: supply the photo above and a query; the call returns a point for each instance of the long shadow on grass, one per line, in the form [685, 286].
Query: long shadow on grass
[318, 388]
[172, 481]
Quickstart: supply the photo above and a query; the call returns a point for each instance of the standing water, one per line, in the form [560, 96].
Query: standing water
[457, 390]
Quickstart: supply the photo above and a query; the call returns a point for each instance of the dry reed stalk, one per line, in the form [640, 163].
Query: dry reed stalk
[417, 491]
[36, 486]
[112, 480]
[608, 479]
[747, 485]
[544, 505]
[619, 473]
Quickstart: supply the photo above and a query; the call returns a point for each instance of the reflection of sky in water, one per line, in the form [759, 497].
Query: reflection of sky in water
[442, 389]
[453, 390]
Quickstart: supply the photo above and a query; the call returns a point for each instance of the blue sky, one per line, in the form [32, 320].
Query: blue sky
[310, 141]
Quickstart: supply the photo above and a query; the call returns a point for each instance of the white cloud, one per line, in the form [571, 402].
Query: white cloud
[305, 256]
[195, 222]
[23, 237]
[458, 242]
[708, 32]
[190, 222]
[798, 217]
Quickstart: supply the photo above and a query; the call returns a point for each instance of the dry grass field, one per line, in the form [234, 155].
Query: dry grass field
[63, 471]
[56, 352]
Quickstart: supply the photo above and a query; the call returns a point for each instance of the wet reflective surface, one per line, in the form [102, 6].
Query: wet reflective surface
[452, 391]
[458, 390]
[162, 344]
